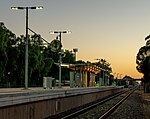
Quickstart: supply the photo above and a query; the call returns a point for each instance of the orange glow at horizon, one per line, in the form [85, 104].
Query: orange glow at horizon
[113, 30]
[123, 69]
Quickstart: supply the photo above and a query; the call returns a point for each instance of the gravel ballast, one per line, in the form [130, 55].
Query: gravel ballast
[135, 107]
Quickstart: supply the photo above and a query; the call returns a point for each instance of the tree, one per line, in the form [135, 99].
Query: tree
[104, 65]
[50, 58]
[6, 39]
[68, 59]
[143, 64]
[36, 60]
[41, 59]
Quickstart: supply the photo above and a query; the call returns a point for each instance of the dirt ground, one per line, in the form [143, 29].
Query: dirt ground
[146, 103]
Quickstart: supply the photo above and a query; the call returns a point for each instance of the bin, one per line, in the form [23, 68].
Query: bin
[47, 82]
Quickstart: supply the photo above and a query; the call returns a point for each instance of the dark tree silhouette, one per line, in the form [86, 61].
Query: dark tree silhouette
[143, 64]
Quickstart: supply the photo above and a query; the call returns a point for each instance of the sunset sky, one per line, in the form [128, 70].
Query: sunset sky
[109, 29]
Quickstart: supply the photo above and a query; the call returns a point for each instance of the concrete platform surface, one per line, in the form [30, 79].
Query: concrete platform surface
[13, 96]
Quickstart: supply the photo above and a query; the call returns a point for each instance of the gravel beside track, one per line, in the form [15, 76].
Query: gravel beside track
[101, 109]
[135, 107]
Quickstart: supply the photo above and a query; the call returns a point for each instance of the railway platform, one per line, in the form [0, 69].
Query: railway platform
[19, 103]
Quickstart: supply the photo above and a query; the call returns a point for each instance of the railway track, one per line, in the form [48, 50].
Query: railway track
[113, 108]
[101, 109]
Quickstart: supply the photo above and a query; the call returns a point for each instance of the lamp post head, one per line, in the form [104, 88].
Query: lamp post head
[17, 8]
[53, 32]
[67, 32]
[22, 8]
[75, 50]
[39, 7]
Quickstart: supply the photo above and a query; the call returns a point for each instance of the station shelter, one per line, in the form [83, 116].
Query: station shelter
[87, 75]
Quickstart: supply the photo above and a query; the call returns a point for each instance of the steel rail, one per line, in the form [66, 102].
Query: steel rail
[76, 113]
[113, 108]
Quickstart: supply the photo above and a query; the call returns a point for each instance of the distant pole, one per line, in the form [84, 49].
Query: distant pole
[117, 75]
[75, 50]
[26, 43]
[120, 76]
[100, 72]
[60, 53]
[26, 55]
[60, 62]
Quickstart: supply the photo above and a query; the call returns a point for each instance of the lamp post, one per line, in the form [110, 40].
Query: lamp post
[75, 50]
[100, 72]
[120, 75]
[60, 53]
[26, 43]
[117, 75]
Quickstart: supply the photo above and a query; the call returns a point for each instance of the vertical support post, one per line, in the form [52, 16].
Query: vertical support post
[60, 53]
[85, 79]
[26, 42]
[99, 78]
[60, 62]
[26, 53]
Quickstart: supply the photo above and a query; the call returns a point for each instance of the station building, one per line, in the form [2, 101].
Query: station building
[88, 75]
